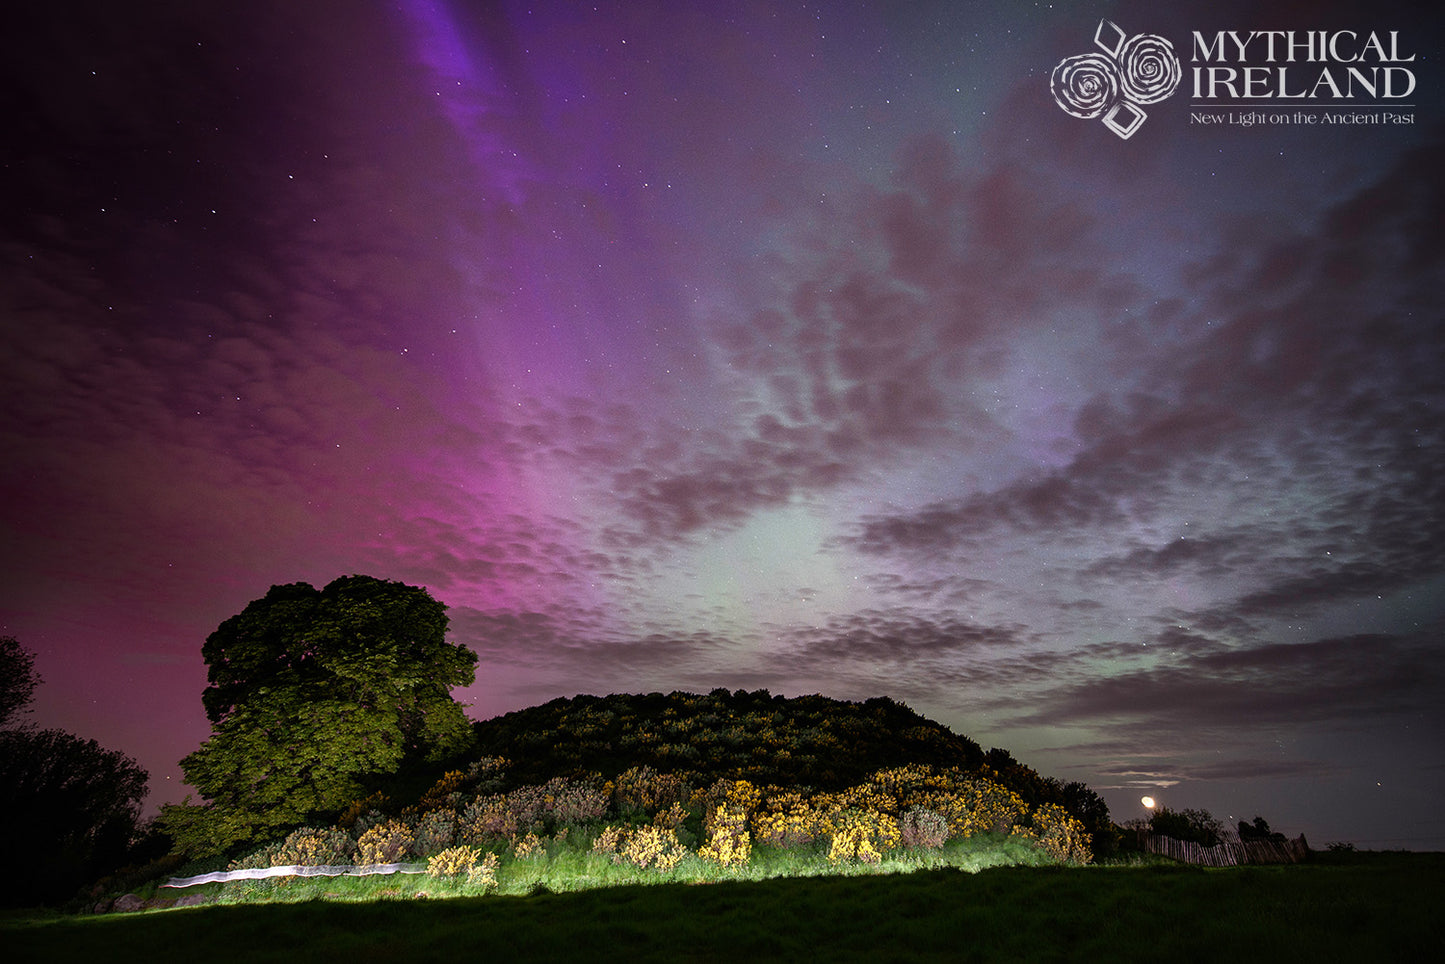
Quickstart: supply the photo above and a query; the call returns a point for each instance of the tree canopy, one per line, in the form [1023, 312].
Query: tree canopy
[313, 694]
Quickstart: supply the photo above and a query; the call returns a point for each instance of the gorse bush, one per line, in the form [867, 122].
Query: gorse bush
[527, 807]
[366, 821]
[644, 790]
[484, 872]
[740, 793]
[435, 830]
[573, 802]
[487, 819]
[729, 804]
[862, 835]
[307, 847]
[1058, 833]
[386, 843]
[728, 842]
[373, 804]
[643, 847]
[654, 819]
[318, 847]
[976, 805]
[446, 792]
[671, 818]
[609, 839]
[453, 862]
[527, 846]
[787, 819]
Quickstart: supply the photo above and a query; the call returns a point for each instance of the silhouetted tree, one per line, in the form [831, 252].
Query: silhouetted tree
[1259, 830]
[18, 680]
[1194, 826]
[313, 694]
[68, 805]
[70, 808]
[1080, 800]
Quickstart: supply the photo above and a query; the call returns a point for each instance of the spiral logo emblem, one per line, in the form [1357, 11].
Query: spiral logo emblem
[1085, 85]
[1115, 86]
[1149, 70]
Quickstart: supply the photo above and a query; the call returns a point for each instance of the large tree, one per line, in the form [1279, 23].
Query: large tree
[313, 695]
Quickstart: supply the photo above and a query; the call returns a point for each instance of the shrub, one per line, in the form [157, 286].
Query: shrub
[651, 847]
[307, 847]
[386, 843]
[672, 818]
[453, 862]
[571, 802]
[906, 785]
[316, 847]
[487, 819]
[372, 804]
[1058, 833]
[989, 806]
[366, 821]
[527, 806]
[921, 827]
[268, 856]
[971, 804]
[738, 793]
[484, 873]
[444, 793]
[786, 819]
[1259, 830]
[435, 830]
[528, 846]
[643, 789]
[728, 842]
[863, 835]
[609, 839]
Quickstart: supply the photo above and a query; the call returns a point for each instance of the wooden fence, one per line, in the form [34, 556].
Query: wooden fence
[1232, 852]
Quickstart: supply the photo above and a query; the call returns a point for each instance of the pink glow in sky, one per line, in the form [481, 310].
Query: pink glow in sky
[800, 346]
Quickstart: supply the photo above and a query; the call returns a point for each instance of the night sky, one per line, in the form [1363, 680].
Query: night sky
[800, 346]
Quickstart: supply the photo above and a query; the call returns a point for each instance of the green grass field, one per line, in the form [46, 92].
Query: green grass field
[1356, 907]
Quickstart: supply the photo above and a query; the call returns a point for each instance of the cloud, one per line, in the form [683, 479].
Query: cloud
[1274, 446]
[892, 637]
[873, 322]
[1213, 555]
[1350, 681]
[1055, 505]
[1162, 775]
[588, 651]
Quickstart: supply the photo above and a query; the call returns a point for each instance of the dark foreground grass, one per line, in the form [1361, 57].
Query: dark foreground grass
[1367, 907]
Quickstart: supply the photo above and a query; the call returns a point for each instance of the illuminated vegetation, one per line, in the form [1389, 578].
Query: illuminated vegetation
[812, 743]
[1350, 907]
[776, 787]
[646, 827]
